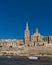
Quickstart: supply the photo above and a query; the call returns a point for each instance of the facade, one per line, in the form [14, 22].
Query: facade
[34, 40]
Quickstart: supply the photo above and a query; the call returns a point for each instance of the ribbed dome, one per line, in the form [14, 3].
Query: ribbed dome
[36, 33]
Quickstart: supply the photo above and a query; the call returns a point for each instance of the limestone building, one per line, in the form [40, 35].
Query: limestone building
[34, 40]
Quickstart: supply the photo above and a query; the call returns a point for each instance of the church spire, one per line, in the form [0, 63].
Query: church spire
[27, 35]
[27, 26]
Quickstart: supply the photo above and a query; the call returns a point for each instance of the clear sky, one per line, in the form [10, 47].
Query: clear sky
[15, 13]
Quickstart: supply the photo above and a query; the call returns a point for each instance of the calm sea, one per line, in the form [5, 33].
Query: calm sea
[25, 61]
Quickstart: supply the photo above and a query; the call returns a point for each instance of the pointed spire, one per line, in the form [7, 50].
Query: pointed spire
[36, 30]
[27, 26]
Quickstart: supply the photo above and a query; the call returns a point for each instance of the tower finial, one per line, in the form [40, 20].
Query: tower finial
[36, 30]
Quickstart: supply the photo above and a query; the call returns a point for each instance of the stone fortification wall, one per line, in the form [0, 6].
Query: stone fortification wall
[38, 50]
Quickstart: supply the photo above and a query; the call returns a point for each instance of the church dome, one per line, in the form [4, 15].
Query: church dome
[36, 33]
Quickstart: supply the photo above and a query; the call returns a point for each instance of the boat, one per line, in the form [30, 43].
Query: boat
[32, 57]
[8, 56]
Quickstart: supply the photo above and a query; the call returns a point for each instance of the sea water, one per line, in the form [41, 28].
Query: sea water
[25, 61]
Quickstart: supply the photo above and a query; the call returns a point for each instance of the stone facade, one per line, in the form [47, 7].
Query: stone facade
[34, 40]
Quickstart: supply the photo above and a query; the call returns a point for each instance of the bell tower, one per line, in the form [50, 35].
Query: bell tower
[27, 35]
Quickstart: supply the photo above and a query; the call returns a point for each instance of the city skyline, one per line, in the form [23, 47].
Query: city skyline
[15, 13]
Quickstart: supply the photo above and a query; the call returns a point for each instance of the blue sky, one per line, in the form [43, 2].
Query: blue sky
[15, 13]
